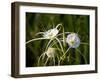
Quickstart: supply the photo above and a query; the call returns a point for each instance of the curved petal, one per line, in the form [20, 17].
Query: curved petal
[35, 40]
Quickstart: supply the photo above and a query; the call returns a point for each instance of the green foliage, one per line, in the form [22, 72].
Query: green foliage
[41, 22]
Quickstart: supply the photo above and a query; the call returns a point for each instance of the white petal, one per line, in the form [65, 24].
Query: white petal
[50, 52]
[51, 33]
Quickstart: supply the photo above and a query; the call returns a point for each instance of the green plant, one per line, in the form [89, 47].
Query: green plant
[72, 40]
[56, 39]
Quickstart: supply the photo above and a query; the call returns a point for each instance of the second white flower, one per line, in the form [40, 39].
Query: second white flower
[73, 40]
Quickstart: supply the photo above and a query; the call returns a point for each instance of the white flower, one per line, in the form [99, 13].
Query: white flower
[73, 40]
[50, 52]
[50, 33]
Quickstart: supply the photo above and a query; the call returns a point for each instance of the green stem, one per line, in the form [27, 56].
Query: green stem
[58, 61]
[64, 38]
[58, 26]
[84, 43]
[54, 60]
[65, 53]
[48, 44]
[46, 62]
[82, 55]
[40, 58]
[64, 32]
[60, 44]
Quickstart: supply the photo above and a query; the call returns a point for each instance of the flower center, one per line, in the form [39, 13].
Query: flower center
[72, 42]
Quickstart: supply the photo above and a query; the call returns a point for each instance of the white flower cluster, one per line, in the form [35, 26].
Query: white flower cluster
[50, 33]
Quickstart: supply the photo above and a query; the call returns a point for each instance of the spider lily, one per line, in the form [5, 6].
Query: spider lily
[50, 34]
[49, 53]
[73, 40]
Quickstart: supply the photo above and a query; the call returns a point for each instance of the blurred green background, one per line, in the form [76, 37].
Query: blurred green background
[40, 22]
